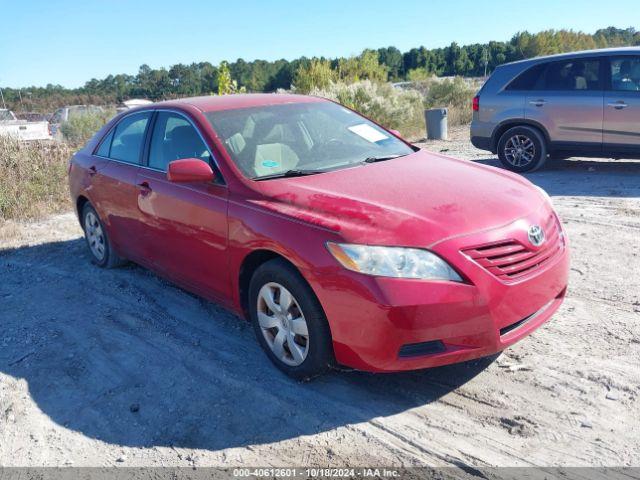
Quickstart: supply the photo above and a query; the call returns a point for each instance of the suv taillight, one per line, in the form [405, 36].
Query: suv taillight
[476, 103]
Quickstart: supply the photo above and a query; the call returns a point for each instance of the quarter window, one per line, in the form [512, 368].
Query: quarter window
[174, 138]
[105, 146]
[529, 79]
[129, 138]
[625, 74]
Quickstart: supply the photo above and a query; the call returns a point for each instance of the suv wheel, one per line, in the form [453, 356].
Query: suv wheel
[522, 149]
[289, 322]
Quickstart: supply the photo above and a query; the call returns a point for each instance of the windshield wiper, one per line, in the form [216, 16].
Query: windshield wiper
[380, 158]
[289, 173]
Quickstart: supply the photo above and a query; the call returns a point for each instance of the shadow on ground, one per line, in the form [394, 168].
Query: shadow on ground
[124, 357]
[583, 177]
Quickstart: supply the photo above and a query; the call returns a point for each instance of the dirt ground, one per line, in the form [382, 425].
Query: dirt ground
[119, 367]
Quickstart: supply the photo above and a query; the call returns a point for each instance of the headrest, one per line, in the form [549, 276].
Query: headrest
[236, 143]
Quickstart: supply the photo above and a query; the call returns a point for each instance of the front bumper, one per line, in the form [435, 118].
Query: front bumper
[373, 318]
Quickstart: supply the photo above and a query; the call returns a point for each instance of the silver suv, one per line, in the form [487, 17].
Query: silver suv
[575, 104]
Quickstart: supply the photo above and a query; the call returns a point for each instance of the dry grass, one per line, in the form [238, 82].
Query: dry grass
[455, 94]
[82, 126]
[401, 110]
[33, 179]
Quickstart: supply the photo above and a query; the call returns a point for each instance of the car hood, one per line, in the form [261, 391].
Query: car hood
[416, 200]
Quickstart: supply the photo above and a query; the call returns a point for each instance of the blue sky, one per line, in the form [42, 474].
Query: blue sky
[70, 42]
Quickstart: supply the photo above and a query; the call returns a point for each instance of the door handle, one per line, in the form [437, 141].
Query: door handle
[145, 189]
[538, 103]
[619, 105]
[92, 170]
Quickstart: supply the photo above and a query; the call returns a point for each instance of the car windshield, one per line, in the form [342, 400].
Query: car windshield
[5, 115]
[301, 137]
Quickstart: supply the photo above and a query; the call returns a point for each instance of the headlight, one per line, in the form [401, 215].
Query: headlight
[398, 262]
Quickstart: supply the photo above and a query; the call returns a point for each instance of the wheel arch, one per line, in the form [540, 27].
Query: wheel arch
[519, 122]
[250, 263]
[81, 201]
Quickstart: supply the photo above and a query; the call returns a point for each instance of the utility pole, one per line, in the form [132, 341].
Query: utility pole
[485, 58]
[4, 105]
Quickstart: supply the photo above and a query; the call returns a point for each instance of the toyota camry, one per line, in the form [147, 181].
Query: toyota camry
[342, 243]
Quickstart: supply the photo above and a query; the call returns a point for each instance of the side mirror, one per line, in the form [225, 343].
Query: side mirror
[396, 133]
[189, 170]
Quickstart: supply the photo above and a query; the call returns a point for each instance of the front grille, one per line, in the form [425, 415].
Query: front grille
[511, 259]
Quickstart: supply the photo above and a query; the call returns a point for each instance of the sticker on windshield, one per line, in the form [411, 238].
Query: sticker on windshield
[368, 133]
[270, 164]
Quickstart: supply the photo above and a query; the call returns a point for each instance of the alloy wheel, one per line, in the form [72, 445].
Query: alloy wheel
[283, 324]
[519, 150]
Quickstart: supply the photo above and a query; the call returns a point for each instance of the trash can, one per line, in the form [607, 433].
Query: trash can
[436, 119]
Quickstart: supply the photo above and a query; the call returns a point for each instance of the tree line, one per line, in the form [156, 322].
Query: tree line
[383, 64]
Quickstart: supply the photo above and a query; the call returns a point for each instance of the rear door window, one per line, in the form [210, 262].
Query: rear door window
[128, 138]
[625, 74]
[573, 75]
[175, 138]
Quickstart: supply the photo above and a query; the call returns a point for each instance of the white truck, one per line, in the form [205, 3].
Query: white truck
[22, 129]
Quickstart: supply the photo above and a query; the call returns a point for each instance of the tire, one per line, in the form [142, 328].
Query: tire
[522, 149]
[310, 355]
[102, 253]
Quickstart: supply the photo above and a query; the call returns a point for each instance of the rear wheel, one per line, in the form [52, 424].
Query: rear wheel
[98, 242]
[522, 149]
[289, 322]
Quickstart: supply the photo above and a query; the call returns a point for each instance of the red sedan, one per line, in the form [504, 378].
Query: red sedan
[341, 242]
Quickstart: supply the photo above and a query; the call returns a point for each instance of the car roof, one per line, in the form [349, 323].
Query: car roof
[213, 103]
[581, 53]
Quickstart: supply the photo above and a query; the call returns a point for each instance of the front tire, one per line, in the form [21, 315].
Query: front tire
[522, 149]
[289, 322]
[102, 253]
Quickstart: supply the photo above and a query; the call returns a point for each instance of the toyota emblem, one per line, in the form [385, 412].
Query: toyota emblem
[536, 235]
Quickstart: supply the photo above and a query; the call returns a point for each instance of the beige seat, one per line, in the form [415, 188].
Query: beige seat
[236, 143]
[274, 158]
[581, 83]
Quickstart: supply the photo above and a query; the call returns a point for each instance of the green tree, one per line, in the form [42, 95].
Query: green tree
[418, 75]
[391, 58]
[363, 67]
[226, 85]
[317, 73]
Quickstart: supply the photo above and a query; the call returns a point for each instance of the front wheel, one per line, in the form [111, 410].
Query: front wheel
[522, 149]
[289, 322]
